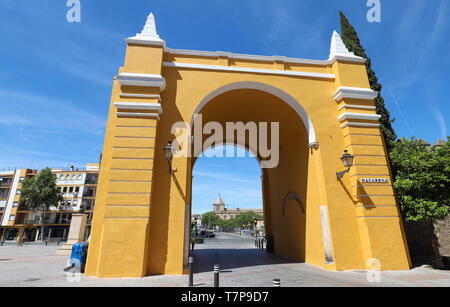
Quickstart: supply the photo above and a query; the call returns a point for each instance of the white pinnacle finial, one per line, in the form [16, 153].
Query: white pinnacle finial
[149, 30]
[338, 48]
[148, 34]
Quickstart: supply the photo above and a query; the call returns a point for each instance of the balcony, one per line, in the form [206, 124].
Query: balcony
[91, 181]
[89, 193]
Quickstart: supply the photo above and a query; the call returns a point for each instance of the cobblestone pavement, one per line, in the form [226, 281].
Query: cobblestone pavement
[242, 265]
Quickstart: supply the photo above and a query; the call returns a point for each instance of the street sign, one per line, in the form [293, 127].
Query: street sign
[374, 180]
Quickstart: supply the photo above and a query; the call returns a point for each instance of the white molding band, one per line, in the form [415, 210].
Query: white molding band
[349, 124]
[265, 58]
[141, 106]
[291, 101]
[130, 114]
[362, 116]
[145, 80]
[249, 70]
[355, 93]
[127, 95]
[148, 42]
[353, 106]
[345, 58]
[237, 56]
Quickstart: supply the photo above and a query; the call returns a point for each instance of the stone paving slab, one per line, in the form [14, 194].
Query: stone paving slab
[242, 265]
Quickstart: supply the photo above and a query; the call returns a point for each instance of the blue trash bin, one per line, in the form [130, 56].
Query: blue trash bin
[79, 255]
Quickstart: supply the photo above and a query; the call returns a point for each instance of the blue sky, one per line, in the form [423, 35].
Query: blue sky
[56, 77]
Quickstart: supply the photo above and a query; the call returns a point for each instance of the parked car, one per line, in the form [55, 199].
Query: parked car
[203, 234]
[210, 234]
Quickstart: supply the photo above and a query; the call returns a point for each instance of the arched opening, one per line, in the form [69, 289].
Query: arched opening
[226, 198]
[284, 223]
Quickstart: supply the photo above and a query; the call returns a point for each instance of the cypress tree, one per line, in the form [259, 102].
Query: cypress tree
[353, 44]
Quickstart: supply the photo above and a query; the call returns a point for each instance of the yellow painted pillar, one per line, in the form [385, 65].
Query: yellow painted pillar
[19, 236]
[369, 180]
[121, 226]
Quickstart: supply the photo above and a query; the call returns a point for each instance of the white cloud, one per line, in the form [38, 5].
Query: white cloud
[224, 177]
[413, 13]
[440, 121]
[48, 113]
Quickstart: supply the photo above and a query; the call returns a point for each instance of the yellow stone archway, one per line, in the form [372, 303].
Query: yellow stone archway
[323, 106]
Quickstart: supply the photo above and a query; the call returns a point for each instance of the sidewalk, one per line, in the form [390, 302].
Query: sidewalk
[242, 265]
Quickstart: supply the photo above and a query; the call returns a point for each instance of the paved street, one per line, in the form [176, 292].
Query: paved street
[242, 265]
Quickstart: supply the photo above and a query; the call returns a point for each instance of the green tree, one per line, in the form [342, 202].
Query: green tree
[421, 180]
[248, 218]
[353, 44]
[40, 193]
[210, 219]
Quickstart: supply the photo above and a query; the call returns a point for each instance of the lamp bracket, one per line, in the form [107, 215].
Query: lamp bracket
[341, 174]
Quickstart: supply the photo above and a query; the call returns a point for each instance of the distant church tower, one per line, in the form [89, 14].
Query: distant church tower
[219, 205]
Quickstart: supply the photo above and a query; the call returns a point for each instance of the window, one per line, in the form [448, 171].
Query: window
[80, 176]
[73, 177]
[65, 190]
[4, 193]
[12, 217]
[67, 177]
[77, 189]
[6, 180]
[71, 190]
[61, 177]
[15, 204]
[17, 192]
[21, 178]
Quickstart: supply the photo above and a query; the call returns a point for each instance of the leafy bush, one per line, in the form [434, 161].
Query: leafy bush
[421, 180]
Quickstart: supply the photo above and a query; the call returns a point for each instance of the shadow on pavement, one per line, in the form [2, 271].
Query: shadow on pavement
[228, 259]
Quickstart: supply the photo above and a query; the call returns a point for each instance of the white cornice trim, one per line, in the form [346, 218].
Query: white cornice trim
[141, 41]
[127, 95]
[146, 80]
[350, 124]
[354, 92]
[357, 107]
[361, 116]
[346, 58]
[141, 106]
[130, 114]
[265, 58]
[249, 70]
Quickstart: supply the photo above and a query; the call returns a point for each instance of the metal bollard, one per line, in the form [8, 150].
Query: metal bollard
[191, 271]
[277, 283]
[216, 275]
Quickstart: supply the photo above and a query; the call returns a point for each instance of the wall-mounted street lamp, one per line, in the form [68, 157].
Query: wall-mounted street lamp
[168, 150]
[347, 160]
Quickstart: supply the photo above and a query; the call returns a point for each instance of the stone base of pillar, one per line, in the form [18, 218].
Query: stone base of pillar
[64, 250]
[76, 234]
